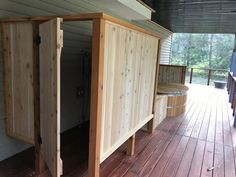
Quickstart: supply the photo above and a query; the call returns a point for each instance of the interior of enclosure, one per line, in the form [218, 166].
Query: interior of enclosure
[75, 81]
[76, 57]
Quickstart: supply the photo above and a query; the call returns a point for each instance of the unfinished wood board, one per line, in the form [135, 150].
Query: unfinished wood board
[96, 97]
[129, 73]
[18, 80]
[160, 109]
[176, 105]
[172, 74]
[50, 51]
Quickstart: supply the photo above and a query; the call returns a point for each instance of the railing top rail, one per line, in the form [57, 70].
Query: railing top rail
[226, 70]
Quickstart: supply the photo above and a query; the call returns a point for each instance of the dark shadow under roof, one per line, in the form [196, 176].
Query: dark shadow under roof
[195, 16]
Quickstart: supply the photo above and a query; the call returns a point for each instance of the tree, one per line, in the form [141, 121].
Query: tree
[202, 50]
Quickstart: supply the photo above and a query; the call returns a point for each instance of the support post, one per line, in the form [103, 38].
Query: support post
[40, 165]
[209, 77]
[191, 76]
[150, 125]
[130, 145]
[183, 74]
[96, 97]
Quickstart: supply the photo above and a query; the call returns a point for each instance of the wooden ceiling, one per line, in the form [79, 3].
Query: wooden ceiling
[195, 16]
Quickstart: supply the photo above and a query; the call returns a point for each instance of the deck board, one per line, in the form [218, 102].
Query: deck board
[185, 146]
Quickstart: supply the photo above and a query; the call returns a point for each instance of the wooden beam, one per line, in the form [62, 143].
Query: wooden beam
[150, 125]
[6, 80]
[96, 97]
[209, 77]
[130, 145]
[191, 76]
[72, 17]
[82, 17]
[40, 165]
[183, 74]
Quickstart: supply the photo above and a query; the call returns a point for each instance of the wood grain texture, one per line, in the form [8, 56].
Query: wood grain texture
[176, 105]
[18, 80]
[50, 51]
[172, 74]
[160, 109]
[97, 86]
[40, 165]
[129, 73]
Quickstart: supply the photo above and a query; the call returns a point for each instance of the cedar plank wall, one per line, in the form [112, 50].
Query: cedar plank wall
[14, 8]
[7, 146]
[129, 72]
[71, 78]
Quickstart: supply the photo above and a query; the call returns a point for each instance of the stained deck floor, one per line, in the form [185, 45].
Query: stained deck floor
[202, 142]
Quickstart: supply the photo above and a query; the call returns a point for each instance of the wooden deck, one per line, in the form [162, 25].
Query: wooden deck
[200, 143]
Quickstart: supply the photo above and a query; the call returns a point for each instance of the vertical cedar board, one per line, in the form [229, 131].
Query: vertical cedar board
[129, 74]
[96, 96]
[50, 51]
[18, 80]
[40, 165]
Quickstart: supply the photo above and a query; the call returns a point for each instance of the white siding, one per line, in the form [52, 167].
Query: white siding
[164, 34]
[165, 50]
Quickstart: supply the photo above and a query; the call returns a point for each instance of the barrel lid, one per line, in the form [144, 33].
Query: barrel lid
[172, 89]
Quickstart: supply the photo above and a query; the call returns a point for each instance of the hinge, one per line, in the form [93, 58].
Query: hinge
[38, 40]
[39, 139]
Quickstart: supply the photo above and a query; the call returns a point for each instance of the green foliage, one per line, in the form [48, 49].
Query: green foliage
[202, 50]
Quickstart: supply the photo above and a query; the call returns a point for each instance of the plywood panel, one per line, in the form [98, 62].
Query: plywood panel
[129, 74]
[50, 51]
[18, 80]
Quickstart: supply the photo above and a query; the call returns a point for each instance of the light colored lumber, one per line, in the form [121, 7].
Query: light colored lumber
[128, 86]
[18, 80]
[50, 52]
[96, 97]
[151, 124]
[131, 145]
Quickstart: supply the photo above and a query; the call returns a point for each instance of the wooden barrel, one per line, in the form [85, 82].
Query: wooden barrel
[177, 98]
[176, 105]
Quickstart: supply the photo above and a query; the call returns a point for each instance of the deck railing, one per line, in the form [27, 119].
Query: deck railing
[222, 74]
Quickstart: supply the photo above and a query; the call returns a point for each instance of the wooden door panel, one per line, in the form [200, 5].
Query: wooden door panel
[50, 51]
[18, 80]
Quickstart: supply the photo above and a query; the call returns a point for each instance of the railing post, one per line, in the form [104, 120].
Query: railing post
[191, 76]
[209, 77]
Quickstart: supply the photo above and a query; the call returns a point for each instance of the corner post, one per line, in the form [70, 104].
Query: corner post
[131, 146]
[40, 165]
[96, 97]
[151, 123]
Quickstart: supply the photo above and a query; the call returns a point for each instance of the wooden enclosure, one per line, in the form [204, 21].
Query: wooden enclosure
[172, 74]
[18, 80]
[130, 59]
[123, 79]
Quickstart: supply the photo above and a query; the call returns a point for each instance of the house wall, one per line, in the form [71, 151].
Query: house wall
[166, 42]
[164, 34]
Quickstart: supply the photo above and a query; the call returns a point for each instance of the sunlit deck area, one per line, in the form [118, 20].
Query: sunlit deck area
[202, 142]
